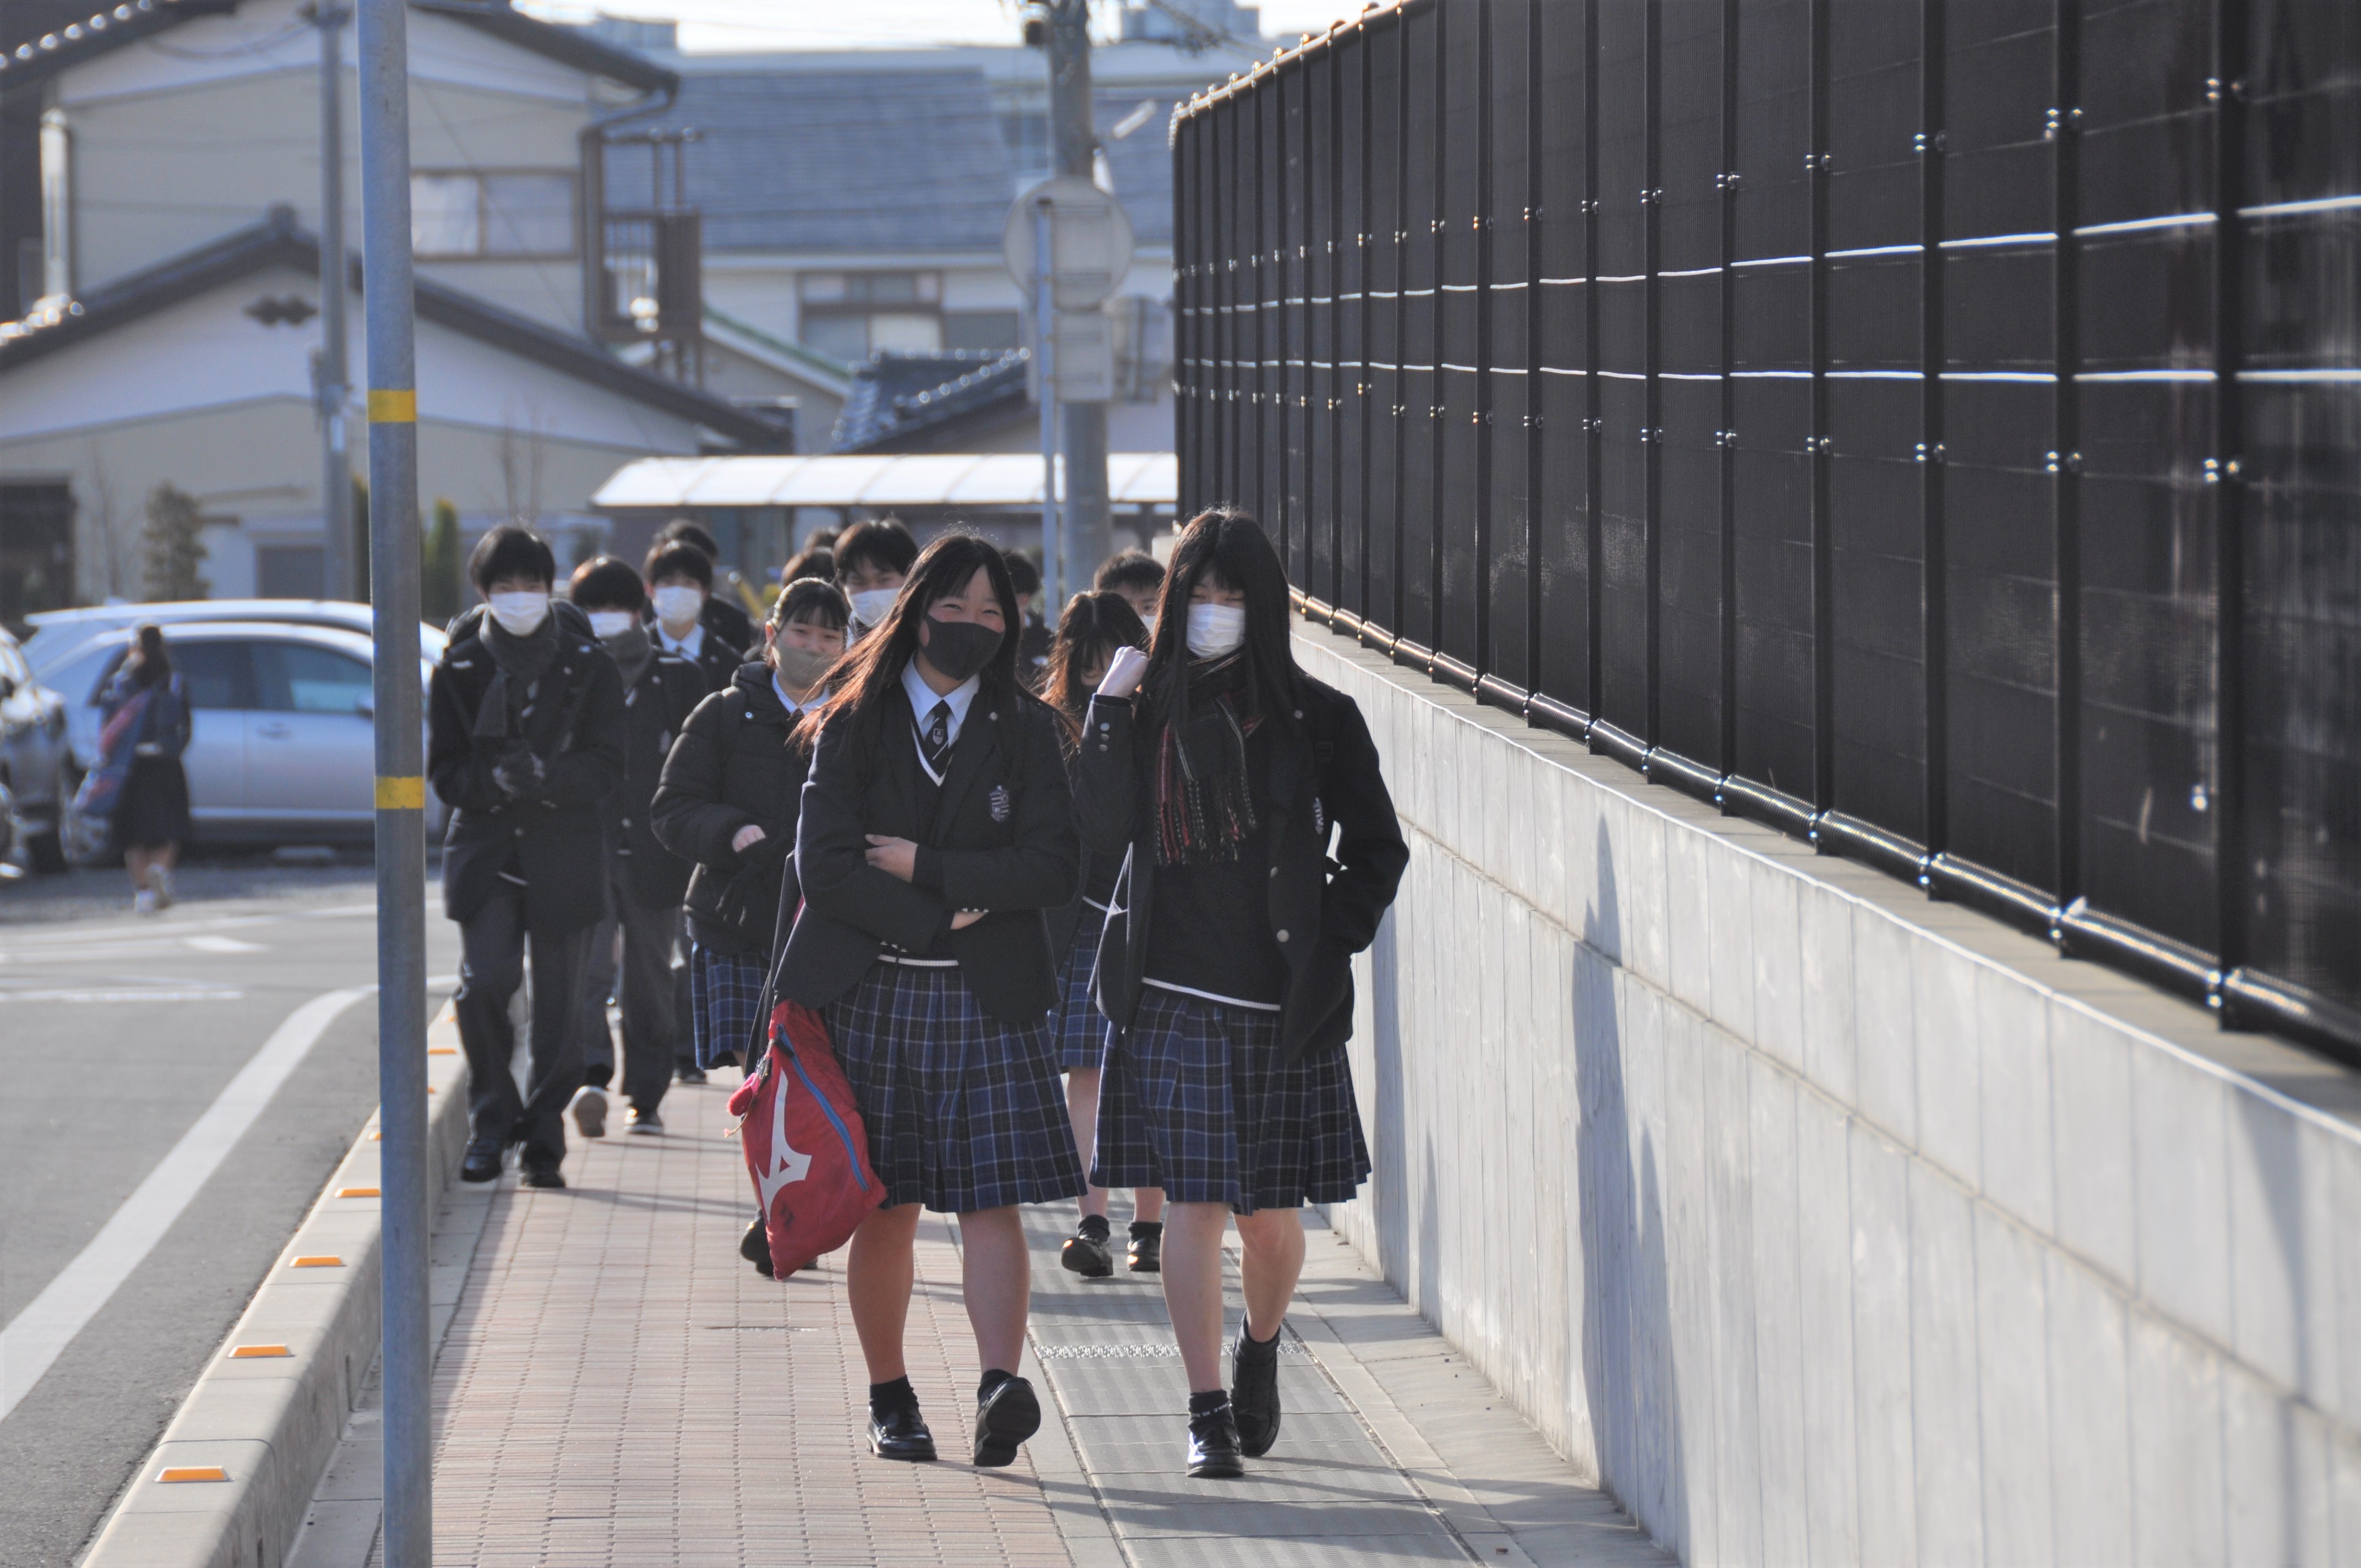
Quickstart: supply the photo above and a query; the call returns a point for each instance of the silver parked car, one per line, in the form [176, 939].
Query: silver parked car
[282, 741]
[33, 771]
[57, 634]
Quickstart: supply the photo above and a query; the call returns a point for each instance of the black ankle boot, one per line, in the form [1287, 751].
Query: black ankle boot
[1254, 1390]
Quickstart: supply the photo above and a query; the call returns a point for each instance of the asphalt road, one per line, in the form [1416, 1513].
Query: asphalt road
[116, 1034]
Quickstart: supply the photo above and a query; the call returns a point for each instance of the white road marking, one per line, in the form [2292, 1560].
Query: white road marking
[209, 994]
[37, 1335]
[222, 945]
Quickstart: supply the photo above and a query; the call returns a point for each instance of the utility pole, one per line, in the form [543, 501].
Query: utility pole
[1086, 531]
[1045, 368]
[338, 546]
[401, 782]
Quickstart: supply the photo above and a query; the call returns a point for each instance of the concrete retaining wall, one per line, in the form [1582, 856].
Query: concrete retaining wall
[1825, 1223]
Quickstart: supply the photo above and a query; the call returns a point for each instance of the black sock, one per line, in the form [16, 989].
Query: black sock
[1147, 1228]
[992, 1380]
[886, 1398]
[1206, 1404]
[1094, 1226]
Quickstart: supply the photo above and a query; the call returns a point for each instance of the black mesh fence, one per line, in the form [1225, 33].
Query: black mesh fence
[1929, 425]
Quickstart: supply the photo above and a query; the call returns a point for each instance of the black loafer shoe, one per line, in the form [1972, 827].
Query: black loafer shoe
[542, 1176]
[900, 1434]
[1214, 1453]
[482, 1162]
[1086, 1252]
[1011, 1415]
[1145, 1254]
[755, 1246]
[1254, 1391]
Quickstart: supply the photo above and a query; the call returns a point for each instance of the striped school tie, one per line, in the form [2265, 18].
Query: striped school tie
[935, 740]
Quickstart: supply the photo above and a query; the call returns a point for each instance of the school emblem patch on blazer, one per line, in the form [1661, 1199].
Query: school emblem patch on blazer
[1000, 805]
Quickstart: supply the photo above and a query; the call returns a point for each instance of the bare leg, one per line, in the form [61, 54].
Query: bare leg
[1082, 1110]
[135, 858]
[1148, 1204]
[878, 1275]
[997, 1277]
[1273, 1263]
[168, 856]
[1192, 1288]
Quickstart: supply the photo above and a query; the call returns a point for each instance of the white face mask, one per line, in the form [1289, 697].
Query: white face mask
[1149, 621]
[520, 614]
[1216, 629]
[611, 622]
[677, 604]
[870, 605]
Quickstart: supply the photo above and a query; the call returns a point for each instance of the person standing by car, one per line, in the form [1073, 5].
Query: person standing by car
[936, 828]
[1092, 628]
[525, 742]
[645, 878]
[680, 585]
[147, 699]
[728, 803]
[1227, 966]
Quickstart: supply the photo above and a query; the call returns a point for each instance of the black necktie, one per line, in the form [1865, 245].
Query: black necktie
[935, 740]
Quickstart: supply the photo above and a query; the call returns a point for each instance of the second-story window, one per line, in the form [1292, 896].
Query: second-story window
[506, 213]
[850, 315]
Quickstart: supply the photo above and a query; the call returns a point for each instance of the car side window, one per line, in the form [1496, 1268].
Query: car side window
[301, 677]
[216, 674]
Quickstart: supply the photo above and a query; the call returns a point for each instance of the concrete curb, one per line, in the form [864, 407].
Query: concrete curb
[270, 1423]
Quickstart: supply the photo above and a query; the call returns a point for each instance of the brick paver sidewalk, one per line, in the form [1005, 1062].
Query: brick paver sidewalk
[617, 1387]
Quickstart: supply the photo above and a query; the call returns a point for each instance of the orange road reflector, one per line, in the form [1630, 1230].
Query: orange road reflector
[442, 1050]
[318, 1260]
[375, 1136]
[356, 1192]
[193, 1472]
[258, 1352]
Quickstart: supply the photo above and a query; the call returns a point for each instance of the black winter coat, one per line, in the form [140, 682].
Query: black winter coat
[734, 763]
[1000, 838]
[1323, 911]
[718, 656]
[656, 709]
[558, 838]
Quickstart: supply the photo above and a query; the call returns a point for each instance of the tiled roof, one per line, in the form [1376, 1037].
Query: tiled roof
[869, 161]
[906, 401]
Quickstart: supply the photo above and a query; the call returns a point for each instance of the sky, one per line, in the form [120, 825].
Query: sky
[709, 25]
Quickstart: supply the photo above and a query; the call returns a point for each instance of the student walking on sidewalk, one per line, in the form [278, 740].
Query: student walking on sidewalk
[645, 880]
[1092, 628]
[1216, 768]
[936, 828]
[525, 742]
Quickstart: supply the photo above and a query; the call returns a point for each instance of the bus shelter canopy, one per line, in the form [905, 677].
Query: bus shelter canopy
[870, 479]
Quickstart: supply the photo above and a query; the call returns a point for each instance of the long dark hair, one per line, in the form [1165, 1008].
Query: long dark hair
[1231, 547]
[1092, 628]
[872, 668]
[151, 666]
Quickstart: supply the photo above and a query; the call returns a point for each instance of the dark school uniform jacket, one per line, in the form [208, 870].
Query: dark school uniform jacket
[735, 763]
[654, 710]
[999, 836]
[718, 656]
[1322, 910]
[558, 839]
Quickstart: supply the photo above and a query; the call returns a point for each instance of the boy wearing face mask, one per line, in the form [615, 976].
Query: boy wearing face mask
[645, 878]
[680, 587]
[720, 613]
[871, 561]
[525, 743]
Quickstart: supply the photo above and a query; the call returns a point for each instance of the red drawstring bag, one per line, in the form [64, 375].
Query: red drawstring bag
[806, 1147]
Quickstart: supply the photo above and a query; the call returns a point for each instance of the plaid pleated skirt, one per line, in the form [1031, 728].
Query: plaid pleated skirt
[963, 1111]
[1077, 1028]
[725, 992]
[1195, 1101]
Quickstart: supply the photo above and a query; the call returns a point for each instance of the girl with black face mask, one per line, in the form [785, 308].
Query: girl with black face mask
[936, 829]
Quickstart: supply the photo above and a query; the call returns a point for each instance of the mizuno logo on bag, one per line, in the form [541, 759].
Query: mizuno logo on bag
[787, 1165]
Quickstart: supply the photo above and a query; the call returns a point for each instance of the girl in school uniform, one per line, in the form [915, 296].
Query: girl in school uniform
[1094, 627]
[936, 830]
[1217, 770]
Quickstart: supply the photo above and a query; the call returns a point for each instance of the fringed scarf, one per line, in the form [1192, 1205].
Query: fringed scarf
[1205, 799]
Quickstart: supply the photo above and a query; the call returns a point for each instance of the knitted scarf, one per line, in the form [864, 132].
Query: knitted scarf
[1204, 800]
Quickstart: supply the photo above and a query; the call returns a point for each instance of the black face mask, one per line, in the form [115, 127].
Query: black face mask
[961, 648]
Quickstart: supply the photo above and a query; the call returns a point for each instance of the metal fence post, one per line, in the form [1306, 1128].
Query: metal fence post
[401, 785]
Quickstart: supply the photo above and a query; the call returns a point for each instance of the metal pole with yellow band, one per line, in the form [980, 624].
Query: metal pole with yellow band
[400, 764]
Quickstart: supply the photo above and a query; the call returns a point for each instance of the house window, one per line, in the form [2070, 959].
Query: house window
[508, 213]
[850, 315]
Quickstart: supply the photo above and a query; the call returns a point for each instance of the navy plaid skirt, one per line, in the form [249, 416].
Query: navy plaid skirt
[725, 990]
[963, 1113]
[1194, 1101]
[1077, 1028]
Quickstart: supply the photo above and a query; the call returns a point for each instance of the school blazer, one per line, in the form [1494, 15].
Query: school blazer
[1324, 910]
[1001, 838]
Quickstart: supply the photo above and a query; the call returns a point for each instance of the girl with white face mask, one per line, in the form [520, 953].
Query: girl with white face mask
[1215, 769]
